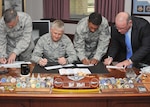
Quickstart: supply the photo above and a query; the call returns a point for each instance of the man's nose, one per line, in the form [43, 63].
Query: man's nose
[10, 26]
[93, 30]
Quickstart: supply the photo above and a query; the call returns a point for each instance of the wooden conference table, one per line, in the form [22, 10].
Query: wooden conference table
[45, 99]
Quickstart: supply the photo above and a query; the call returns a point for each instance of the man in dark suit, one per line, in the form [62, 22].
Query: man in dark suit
[138, 30]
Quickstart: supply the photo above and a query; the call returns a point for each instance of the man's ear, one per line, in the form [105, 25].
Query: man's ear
[130, 21]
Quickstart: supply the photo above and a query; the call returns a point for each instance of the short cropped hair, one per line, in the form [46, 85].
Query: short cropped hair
[129, 17]
[58, 24]
[95, 18]
[9, 15]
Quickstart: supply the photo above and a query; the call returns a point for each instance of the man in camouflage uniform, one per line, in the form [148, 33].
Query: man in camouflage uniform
[15, 36]
[92, 37]
[54, 47]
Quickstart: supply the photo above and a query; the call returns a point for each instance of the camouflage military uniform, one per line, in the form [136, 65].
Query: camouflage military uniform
[91, 45]
[46, 48]
[17, 39]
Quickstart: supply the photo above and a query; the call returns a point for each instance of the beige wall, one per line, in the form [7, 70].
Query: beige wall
[35, 9]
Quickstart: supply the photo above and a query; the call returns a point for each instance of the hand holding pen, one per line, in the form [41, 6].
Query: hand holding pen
[108, 60]
[43, 61]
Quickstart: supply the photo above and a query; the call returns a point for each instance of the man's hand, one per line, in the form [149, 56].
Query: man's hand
[86, 61]
[3, 60]
[62, 61]
[108, 61]
[42, 62]
[94, 61]
[124, 63]
[11, 58]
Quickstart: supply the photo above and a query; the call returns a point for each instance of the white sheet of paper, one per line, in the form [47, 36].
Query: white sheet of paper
[58, 66]
[16, 64]
[145, 69]
[82, 65]
[68, 65]
[114, 67]
[53, 67]
[73, 71]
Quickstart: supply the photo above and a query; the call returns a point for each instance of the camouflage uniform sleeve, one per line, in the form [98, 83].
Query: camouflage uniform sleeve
[70, 51]
[24, 42]
[3, 40]
[104, 39]
[79, 44]
[38, 51]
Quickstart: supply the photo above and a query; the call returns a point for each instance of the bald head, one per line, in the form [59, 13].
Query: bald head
[122, 18]
[123, 22]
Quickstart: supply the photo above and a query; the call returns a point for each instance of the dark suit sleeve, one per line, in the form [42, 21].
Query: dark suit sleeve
[117, 46]
[141, 40]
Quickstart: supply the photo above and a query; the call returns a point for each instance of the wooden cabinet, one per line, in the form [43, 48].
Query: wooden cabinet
[80, 102]
[130, 102]
[76, 102]
[14, 103]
